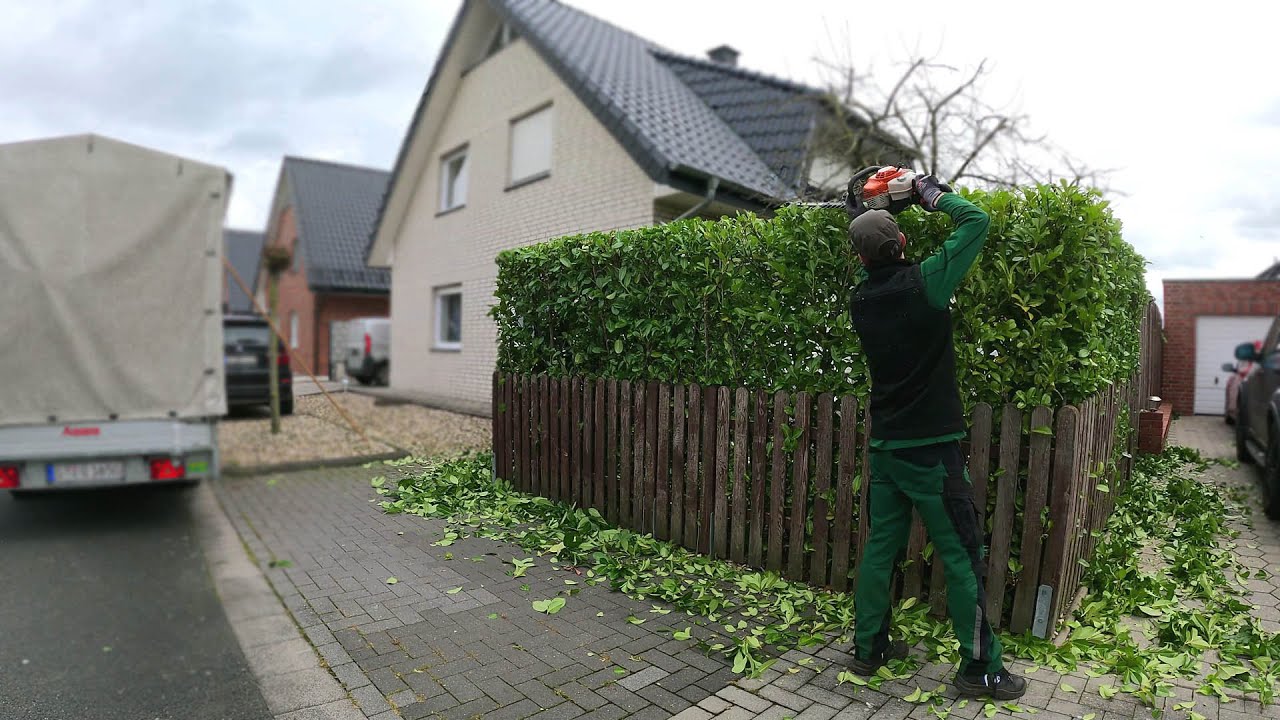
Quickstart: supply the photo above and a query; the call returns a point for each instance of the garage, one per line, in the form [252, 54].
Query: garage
[1204, 320]
[1216, 341]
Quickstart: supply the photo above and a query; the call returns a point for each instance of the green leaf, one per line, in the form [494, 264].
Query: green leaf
[914, 697]
[634, 620]
[684, 634]
[392, 581]
[1106, 691]
[550, 607]
[1066, 687]
[493, 616]
[453, 591]
[990, 710]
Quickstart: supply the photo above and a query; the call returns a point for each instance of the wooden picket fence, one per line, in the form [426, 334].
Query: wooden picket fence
[775, 481]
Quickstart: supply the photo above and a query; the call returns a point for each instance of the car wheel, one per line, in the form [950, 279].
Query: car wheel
[21, 494]
[384, 375]
[1242, 443]
[1271, 479]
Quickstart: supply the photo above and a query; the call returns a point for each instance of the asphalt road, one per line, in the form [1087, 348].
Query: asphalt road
[107, 611]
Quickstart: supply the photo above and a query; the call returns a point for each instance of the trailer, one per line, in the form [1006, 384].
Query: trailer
[111, 371]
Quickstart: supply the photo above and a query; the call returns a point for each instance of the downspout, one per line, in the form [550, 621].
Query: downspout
[713, 184]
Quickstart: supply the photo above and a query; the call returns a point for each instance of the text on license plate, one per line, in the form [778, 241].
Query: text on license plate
[88, 472]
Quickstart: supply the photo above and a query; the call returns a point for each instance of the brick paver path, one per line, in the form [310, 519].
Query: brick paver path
[417, 649]
[422, 648]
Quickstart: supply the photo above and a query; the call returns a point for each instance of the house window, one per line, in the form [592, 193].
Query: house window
[449, 318]
[293, 329]
[453, 180]
[531, 146]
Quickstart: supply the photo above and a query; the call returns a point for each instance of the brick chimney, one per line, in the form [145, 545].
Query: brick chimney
[724, 55]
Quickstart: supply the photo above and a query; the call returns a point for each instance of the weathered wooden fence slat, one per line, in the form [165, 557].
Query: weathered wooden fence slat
[738, 502]
[662, 466]
[625, 439]
[638, 517]
[575, 441]
[1024, 598]
[720, 505]
[843, 530]
[821, 487]
[1006, 492]
[691, 464]
[759, 477]
[677, 463]
[710, 425]
[777, 484]
[597, 454]
[980, 458]
[611, 482]
[798, 509]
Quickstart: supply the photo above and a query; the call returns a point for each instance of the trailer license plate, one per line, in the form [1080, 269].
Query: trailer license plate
[91, 472]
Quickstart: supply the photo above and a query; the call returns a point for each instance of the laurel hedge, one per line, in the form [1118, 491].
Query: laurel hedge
[1049, 314]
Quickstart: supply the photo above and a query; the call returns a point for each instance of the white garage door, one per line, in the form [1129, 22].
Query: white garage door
[1216, 341]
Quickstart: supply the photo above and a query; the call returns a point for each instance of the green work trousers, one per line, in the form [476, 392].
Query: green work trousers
[933, 480]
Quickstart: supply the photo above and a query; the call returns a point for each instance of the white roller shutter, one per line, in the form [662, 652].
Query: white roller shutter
[1216, 341]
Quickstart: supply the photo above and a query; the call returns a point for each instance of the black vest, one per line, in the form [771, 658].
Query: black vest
[910, 354]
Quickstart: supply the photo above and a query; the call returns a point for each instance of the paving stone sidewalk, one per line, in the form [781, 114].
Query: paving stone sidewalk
[428, 645]
[425, 648]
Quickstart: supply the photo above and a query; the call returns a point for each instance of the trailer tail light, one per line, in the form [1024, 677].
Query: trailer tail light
[368, 345]
[8, 477]
[167, 469]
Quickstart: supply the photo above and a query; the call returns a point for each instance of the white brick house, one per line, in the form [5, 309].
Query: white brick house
[540, 121]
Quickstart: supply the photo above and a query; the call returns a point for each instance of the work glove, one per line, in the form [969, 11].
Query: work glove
[929, 189]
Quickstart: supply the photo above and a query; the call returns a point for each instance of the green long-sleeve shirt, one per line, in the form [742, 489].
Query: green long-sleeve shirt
[942, 273]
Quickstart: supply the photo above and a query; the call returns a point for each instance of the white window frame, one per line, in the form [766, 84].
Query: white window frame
[454, 200]
[539, 170]
[293, 329]
[439, 341]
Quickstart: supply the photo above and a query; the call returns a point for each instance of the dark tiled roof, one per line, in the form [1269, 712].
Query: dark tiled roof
[1271, 273]
[337, 207]
[773, 116]
[665, 124]
[243, 249]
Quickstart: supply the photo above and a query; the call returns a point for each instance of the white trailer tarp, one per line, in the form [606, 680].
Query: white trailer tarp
[110, 282]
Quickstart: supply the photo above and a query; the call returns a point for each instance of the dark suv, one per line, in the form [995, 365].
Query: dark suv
[1258, 405]
[244, 345]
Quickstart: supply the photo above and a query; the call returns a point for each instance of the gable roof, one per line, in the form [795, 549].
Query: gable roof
[243, 249]
[665, 125]
[336, 207]
[683, 120]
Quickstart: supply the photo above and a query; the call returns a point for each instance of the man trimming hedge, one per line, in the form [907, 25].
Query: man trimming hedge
[901, 314]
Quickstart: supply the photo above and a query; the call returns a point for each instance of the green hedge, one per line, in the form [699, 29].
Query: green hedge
[1049, 314]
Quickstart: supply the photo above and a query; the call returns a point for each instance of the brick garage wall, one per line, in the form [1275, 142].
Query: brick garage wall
[1186, 300]
[295, 296]
[333, 307]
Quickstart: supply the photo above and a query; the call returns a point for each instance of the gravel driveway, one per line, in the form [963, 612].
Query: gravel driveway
[316, 431]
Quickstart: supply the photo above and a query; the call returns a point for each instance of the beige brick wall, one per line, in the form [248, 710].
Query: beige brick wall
[593, 185]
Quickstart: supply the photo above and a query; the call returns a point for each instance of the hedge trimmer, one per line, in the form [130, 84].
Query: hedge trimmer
[881, 187]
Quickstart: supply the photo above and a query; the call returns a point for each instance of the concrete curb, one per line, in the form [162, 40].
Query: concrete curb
[294, 681]
[248, 470]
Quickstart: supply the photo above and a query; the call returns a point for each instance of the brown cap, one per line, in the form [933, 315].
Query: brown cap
[875, 236]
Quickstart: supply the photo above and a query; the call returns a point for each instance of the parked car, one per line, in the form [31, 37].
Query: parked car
[1238, 372]
[1258, 423]
[244, 343]
[367, 350]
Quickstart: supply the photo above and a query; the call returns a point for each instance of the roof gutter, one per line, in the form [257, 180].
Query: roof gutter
[713, 184]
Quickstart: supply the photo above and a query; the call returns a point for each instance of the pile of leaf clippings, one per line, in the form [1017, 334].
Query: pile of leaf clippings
[1165, 595]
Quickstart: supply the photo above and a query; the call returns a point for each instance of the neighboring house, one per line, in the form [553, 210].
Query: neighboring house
[324, 212]
[1204, 321]
[540, 121]
[243, 249]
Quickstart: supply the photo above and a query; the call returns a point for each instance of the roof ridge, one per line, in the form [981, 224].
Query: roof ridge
[333, 163]
[663, 54]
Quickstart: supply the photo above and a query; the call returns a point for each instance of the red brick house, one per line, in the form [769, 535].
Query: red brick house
[1203, 322]
[324, 212]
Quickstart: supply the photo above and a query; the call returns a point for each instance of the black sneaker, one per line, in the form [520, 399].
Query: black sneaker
[999, 685]
[896, 651]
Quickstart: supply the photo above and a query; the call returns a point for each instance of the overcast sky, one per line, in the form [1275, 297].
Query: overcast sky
[1186, 105]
